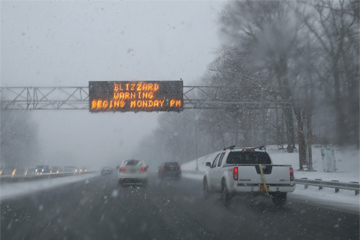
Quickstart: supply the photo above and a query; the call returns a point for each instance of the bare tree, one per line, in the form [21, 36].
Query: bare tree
[335, 26]
[18, 139]
[236, 122]
[267, 32]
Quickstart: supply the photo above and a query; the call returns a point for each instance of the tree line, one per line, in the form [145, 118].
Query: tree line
[18, 141]
[303, 54]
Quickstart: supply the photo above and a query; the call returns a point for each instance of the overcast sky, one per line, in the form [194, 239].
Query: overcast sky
[70, 43]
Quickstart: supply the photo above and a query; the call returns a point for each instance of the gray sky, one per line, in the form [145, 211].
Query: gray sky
[70, 43]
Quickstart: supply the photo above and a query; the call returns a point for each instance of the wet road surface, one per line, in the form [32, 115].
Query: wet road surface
[98, 209]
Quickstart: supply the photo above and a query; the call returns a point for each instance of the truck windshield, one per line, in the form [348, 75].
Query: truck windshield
[248, 158]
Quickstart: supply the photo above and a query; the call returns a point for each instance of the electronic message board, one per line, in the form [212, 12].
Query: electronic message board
[124, 96]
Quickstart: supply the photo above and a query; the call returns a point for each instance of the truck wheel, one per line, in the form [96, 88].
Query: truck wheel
[206, 189]
[225, 196]
[279, 199]
[145, 183]
[120, 184]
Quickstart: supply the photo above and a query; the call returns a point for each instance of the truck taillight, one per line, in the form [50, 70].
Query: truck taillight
[163, 169]
[235, 173]
[292, 174]
[249, 150]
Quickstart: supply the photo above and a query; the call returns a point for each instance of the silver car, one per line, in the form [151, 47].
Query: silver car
[133, 172]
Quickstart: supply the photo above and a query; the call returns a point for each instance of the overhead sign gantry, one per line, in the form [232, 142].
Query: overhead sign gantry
[135, 96]
[167, 93]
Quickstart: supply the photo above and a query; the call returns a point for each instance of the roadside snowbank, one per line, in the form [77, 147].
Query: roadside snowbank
[347, 164]
[13, 190]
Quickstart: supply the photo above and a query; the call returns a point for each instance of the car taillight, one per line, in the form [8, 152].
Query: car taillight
[179, 168]
[292, 174]
[122, 169]
[235, 173]
[163, 169]
[143, 169]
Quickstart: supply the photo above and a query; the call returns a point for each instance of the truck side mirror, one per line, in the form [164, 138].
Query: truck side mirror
[208, 164]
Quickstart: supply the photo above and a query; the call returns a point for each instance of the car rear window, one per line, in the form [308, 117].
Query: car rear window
[248, 158]
[172, 164]
[132, 162]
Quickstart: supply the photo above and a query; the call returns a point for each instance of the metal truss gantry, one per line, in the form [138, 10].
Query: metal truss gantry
[77, 98]
[44, 98]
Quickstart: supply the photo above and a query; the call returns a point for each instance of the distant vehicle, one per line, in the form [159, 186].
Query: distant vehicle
[29, 171]
[12, 170]
[9, 170]
[170, 170]
[70, 169]
[42, 169]
[133, 172]
[106, 171]
[83, 169]
[56, 169]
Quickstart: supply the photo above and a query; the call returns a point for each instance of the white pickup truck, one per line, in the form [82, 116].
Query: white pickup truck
[248, 171]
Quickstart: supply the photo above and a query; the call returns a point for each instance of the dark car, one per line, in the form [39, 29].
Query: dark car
[42, 169]
[171, 170]
[106, 171]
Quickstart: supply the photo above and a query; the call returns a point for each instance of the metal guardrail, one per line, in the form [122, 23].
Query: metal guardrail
[352, 186]
[32, 177]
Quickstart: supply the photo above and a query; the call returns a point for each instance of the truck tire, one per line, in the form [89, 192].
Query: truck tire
[206, 188]
[225, 196]
[279, 199]
[145, 183]
[120, 184]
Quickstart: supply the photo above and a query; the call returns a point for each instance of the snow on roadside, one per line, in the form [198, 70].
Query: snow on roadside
[201, 162]
[345, 199]
[12, 190]
[347, 164]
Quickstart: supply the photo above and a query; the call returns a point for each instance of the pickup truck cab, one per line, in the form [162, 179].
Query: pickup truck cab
[236, 171]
